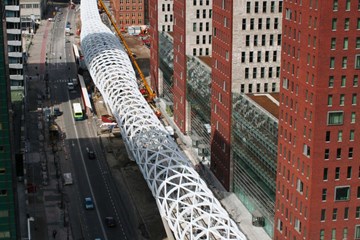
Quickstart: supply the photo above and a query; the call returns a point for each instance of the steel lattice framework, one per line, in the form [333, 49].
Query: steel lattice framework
[183, 199]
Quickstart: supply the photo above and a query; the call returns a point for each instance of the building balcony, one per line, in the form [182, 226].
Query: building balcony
[13, 19]
[14, 43]
[16, 65]
[13, 31]
[16, 77]
[12, 7]
[15, 54]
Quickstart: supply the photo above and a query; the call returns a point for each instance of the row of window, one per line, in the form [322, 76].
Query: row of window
[355, 82]
[346, 26]
[133, 8]
[335, 213]
[203, 38]
[258, 88]
[345, 43]
[264, 41]
[340, 135]
[338, 153]
[344, 62]
[267, 22]
[254, 7]
[204, 14]
[342, 99]
[121, 15]
[345, 232]
[168, 18]
[201, 2]
[169, 7]
[337, 177]
[34, 5]
[270, 73]
[166, 28]
[132, 1]
[201, 52]
[201, 26]
[132, 21]
[347, 5]
[259, 56]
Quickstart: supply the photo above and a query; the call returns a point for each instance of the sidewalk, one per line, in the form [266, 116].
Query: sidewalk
[44, 208]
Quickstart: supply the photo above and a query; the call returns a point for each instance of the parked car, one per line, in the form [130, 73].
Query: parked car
[89, 204]
[110, 222]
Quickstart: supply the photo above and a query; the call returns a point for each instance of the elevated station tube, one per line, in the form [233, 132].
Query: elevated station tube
[183, 199]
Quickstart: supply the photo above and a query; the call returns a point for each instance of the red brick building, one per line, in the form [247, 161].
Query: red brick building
[318, 188]
[129, 12]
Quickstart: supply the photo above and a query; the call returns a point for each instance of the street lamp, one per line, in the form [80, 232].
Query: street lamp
[29, 219]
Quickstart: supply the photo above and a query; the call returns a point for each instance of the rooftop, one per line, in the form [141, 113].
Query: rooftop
[206, 60]
[268, 101]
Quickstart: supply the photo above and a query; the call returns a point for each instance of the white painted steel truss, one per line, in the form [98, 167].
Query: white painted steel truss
[183, 199]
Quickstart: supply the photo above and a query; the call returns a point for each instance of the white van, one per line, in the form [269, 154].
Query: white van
[67, 179]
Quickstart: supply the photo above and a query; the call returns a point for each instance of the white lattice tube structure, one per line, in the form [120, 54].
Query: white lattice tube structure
[183, 199]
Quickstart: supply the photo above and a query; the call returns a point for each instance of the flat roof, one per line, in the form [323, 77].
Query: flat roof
[268, 101]
[206, 60]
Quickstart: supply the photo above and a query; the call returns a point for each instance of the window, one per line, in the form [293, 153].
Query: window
[327, 154]
[244, 24]
[322, 234]
[333, 234]
[297, 225]
[306, 150]
[338, 153]
[351, 152]
[346, 24]
[355, 81]
[349, 172]
[342, 193]
[331, 82]
[337, 173]
[335, 5]
[347, 7]
[335, 118]
[332, 62]
[323, 195]
[340, 134]
[325, 174]
[346, 43]
[330, 98]
[343, 81]
[352, 135]
[323, 215]
[247, 40]
[353, 99]
[334, 214]
[345, 233]
[353, 116]
[194, 27]
[342, 99]
[267, 23]
[333, 44]
[344, 62]
[300, 186]
[357, 61]
[333, 24]
[248, 7]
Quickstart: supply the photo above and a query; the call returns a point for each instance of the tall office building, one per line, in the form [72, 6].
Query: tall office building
[246, 59]
[318, 169]
[14, 44]
[7, 203]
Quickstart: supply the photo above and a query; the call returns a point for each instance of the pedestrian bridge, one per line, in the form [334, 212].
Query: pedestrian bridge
[183, 199]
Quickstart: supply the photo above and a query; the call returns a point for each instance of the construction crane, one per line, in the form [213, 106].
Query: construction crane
[149, 94]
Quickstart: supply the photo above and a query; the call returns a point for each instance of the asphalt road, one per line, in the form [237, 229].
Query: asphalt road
[91, 177]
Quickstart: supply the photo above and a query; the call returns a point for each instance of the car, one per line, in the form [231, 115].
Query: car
[110, 222]
[91, 154]
[89, 204]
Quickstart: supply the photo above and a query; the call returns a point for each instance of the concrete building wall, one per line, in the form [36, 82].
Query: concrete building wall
[256, 46]
[166, 15]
